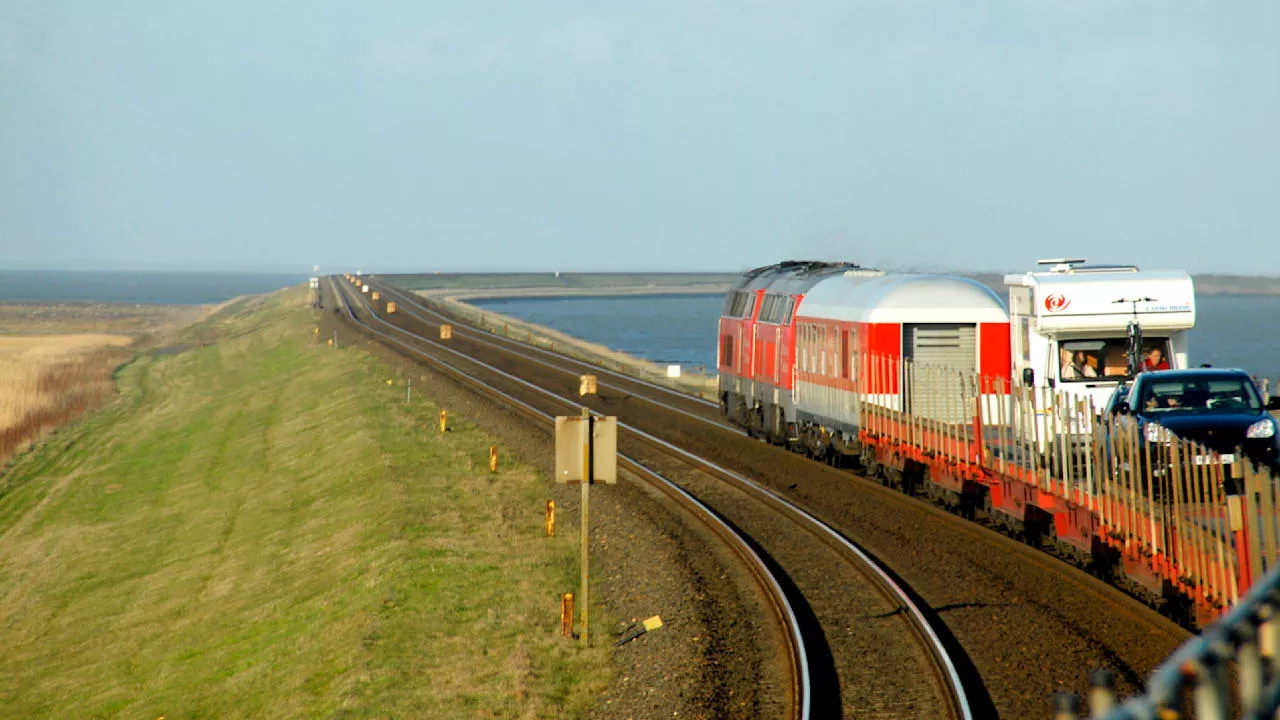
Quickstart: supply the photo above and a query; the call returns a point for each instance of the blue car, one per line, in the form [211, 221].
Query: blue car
[1220, 409]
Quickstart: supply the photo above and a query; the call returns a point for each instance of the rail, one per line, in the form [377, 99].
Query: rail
[556, 361]
[1044, 463]
[693, 385]
[1172, 520]
[944, 669]
[776, 599]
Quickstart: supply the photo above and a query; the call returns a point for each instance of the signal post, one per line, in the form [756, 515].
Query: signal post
[586, 452]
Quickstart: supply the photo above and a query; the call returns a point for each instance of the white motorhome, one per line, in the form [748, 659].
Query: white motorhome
[1070, 324]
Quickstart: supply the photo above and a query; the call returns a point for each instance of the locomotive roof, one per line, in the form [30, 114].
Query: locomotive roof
[903, 298]
[791, 276]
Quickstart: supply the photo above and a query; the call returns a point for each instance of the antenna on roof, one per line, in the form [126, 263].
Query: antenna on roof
[1061, 264]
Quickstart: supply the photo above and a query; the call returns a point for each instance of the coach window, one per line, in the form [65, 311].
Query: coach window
[844, 354]
[853, 355]
[828, 339]
[813, 348]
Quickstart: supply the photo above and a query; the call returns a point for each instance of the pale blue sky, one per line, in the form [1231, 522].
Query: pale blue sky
[940, 134]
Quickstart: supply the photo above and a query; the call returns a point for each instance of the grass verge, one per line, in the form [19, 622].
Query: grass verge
[260, 528]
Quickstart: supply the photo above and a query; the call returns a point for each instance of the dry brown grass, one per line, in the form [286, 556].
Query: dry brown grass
[48, 380]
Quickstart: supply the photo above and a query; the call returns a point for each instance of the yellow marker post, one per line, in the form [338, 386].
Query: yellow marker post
[444, 421]
[446, 332]
[566, 615]
[493, 458]
[551, 518]
[374, 295]
[391, 307]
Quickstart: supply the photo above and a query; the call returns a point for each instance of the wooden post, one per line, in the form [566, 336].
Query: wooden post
[551, 518]
[586, 527]
[493, 458]
[444, 421]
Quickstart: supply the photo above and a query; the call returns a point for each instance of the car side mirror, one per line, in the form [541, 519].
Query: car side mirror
[1028, 377]
[1122, 409]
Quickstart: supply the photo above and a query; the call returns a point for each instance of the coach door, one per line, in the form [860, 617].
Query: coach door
[943, 358]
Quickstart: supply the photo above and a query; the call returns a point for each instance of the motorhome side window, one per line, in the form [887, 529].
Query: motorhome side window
[1098, 359]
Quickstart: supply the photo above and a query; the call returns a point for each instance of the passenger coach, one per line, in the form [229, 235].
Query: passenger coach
[858, 332]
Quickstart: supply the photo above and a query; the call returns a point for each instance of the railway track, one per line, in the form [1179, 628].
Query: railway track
[911, 673]
[1030, 624]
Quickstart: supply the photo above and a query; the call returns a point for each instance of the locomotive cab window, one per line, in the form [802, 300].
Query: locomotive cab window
[726, 352]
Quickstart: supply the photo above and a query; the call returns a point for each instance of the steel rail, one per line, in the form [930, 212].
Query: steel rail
[519, 349]
[943, 666]
[418, 300]
[778, 604]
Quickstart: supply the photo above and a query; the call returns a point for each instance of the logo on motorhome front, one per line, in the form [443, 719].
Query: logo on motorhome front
[1056, 302]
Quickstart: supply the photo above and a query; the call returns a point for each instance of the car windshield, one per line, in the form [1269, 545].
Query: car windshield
[1200, 394]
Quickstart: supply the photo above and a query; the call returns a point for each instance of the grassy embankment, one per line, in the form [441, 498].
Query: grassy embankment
[259, 528]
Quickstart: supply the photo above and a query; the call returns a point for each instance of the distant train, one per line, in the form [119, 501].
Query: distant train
[803, 344]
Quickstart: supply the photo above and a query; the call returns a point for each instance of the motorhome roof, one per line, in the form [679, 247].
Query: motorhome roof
[1126, 274]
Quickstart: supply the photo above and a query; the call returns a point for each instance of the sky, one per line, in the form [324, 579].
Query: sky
[422, 136]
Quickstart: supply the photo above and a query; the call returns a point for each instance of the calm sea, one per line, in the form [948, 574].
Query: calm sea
[1231, 330]
[150, 288]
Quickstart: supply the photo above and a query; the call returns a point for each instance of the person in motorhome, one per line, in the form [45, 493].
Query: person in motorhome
[1154, 359]
[1075, 366]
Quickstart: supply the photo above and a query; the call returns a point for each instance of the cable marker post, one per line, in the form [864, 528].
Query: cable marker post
[586, 451]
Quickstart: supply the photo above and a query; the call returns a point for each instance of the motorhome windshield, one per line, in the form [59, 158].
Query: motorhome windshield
[1094, 359]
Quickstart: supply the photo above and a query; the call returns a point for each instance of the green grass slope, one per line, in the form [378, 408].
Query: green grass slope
[261, 528]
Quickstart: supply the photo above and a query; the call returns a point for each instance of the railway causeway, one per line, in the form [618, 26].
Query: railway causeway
[1017, 624]
[905, 631]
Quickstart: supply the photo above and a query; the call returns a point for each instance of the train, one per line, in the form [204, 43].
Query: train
[802, 344]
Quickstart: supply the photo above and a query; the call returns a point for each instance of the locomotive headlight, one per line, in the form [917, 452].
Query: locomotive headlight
[1158, 433]
[1264, 428]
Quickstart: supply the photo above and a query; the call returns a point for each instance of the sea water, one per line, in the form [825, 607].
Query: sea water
[149, 288]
